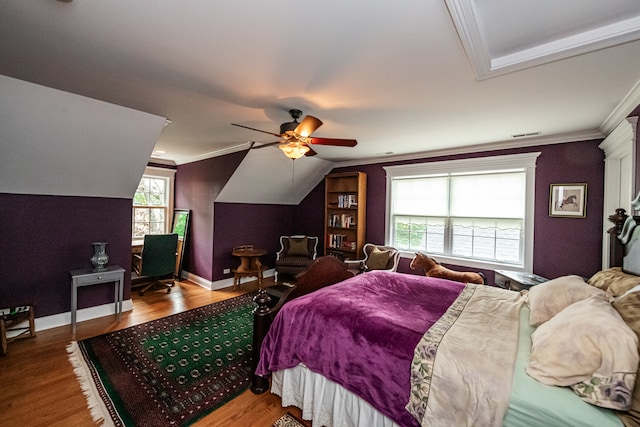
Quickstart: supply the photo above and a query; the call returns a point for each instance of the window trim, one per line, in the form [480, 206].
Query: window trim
[526, 161]
[156, 172]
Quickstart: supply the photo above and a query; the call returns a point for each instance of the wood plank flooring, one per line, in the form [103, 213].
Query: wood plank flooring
[38, 386]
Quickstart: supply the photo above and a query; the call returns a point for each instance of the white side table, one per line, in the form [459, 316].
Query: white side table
[88, 277]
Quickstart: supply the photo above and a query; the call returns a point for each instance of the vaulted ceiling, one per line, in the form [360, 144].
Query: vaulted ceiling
[400, 77]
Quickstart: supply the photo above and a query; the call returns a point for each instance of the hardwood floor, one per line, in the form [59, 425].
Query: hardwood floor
[38, 386]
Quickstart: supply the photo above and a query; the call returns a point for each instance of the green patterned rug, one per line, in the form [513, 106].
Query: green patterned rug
[171, 371]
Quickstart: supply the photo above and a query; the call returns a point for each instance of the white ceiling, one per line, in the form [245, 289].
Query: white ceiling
[400, 77]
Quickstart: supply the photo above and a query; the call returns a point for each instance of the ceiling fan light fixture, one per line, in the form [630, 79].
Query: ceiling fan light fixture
[289, 127]
[294, 150]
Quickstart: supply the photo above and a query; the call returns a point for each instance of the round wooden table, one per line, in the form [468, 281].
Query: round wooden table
[250, 264]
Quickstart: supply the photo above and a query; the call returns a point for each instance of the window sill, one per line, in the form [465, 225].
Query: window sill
[464, 262]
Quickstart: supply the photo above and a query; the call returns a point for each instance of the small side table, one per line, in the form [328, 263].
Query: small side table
[517, 280]
[250, 264]
[88, 277]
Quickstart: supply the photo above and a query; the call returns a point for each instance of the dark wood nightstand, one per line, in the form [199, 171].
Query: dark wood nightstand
[517, 280]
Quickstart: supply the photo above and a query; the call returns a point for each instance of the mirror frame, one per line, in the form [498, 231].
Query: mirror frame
[183, 233]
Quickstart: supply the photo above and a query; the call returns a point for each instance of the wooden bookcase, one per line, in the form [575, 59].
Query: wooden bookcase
[345, 208]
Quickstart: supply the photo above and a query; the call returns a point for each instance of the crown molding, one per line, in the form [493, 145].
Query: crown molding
[622, 110]
[469, 27]
[492, 146]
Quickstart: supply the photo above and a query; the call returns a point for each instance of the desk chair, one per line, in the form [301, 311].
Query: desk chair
[156, 263]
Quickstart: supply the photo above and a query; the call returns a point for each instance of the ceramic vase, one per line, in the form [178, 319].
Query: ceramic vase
[100, 257]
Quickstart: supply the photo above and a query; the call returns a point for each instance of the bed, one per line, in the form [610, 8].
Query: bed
[394, 349]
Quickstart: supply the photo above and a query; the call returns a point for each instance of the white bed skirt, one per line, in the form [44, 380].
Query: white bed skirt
[324, 401]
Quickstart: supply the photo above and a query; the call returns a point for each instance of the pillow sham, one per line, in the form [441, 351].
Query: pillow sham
[588, 347]
[628, 307]
[298, 247]
[614, 281]
[550, 298]
[377, 259]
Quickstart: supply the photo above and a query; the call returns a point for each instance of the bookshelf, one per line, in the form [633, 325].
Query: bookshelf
[345, 214]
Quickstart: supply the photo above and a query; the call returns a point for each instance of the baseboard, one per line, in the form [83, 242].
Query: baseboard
[220, 284]
[62, 319]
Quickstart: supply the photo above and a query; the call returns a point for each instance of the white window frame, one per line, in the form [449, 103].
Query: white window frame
[526, 161]
[169, 176]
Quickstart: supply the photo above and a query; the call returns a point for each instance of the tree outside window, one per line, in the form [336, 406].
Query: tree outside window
[150, 206]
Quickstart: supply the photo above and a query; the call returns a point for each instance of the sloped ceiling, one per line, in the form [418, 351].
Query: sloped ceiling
[404, 79]
[58, 143]
[289, 181]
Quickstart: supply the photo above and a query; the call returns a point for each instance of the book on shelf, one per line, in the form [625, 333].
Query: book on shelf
[344, 220]
[347, 201]
[348, 245]
[335, 240]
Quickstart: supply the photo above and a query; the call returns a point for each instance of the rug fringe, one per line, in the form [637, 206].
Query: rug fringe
[98, 410]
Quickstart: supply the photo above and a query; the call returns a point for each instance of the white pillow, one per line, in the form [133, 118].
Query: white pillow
[589, 347]
[550, 298]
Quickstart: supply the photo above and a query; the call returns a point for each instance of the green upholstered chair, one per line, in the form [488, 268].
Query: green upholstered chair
[156, 263]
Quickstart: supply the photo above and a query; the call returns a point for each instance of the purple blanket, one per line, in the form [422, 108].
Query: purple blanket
[361, 333]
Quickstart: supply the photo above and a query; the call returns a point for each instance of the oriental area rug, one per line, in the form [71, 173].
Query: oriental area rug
[171, 371]
[288, 420]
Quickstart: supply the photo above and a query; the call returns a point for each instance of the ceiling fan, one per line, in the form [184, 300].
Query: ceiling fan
[296, 136]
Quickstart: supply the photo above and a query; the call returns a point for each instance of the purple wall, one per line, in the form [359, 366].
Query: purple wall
[44, 237]
[217, 227]
[562, 245]
[260, 225]
[197, 186]
[47, 236]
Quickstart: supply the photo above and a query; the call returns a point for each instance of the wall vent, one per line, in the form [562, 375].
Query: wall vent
[525, 135]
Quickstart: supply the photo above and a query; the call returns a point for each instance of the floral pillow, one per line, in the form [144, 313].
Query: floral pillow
[629, 309]
[614, 281]
[550, 298]
[588, 347]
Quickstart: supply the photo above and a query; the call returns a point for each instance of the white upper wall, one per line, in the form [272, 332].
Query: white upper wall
[266, 176]
[58, 143]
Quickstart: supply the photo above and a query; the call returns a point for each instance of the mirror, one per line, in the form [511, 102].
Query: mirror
[181, 228]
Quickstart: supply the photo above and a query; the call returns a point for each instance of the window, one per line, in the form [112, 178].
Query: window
[473, 212]
[152, 203]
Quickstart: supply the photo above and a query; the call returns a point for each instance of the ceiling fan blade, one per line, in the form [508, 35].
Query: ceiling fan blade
[257, 130]
[268, 144]
[334, 141]
[310, 153]
[308, 126]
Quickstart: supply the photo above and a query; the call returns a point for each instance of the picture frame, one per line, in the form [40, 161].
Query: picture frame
[180, 226]
[568, 200]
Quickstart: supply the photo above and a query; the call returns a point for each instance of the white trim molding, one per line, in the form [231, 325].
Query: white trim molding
[89, 313]
[505, 162]
[467, 21]
[618, 150]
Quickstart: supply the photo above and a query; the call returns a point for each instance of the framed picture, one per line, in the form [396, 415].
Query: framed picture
[568, 200]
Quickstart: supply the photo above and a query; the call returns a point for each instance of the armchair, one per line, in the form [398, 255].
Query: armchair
[376, 257]
[156, 263]
[295, 255]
